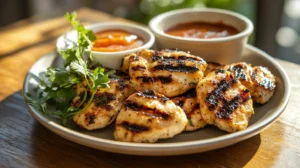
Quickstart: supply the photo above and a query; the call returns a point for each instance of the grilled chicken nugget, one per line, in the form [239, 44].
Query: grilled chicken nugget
[264, 84]
[224, 101]
[148, 116]
[169, 72]
[105, 105]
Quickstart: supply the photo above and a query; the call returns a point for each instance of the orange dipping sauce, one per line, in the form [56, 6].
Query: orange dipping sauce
[116, 40]
[202, 30]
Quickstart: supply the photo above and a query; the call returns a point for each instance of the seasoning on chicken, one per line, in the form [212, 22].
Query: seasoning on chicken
[148, 116]
[224, 101]
[105, 105]
[264, 84]
[169, 72]
[189, 103]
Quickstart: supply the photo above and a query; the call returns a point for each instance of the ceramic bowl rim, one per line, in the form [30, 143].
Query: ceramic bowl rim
[120, 26]
[159, 18]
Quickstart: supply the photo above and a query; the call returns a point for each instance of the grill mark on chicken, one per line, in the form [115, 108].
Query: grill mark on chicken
[134, 127]
[266, 83]
[238, 71]
[172, 68]
[121, 75]
[150, 94]
[179, 101]
[155, 113]
[132, 58]
[121, 84]
[218, 94]
[90, 118]
[195, 107]
[104, 99]
[145, 79]
[231, 105]
[138, 68]
[162, 79]
[189, 94]
[173, 58]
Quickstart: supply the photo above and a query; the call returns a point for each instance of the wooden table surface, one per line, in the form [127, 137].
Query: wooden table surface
[26, 143]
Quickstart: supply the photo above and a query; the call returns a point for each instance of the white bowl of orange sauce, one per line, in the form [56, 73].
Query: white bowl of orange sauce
[114, 41]
[214, 34]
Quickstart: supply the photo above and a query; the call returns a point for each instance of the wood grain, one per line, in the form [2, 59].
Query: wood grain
[25, 143]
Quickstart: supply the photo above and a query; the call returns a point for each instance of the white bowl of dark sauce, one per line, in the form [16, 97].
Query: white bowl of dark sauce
[214, 34]
[114, 41]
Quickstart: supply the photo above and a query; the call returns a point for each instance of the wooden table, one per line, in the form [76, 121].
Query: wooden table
[26, 143]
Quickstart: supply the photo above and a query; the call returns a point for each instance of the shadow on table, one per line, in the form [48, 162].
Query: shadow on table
[37, 146]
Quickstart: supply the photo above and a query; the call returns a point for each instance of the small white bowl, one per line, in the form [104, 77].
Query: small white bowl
[109, 59]
[223, 50]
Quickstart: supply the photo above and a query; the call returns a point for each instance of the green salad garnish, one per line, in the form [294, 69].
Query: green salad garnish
[59, 85]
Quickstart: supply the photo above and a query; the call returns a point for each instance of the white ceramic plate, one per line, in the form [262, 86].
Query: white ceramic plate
[201, 140]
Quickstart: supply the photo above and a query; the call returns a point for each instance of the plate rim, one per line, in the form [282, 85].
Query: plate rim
[165, 148]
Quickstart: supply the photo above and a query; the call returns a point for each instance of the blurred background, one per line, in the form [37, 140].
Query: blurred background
[277, 23]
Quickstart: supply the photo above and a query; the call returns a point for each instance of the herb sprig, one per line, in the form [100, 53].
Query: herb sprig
[59, 87]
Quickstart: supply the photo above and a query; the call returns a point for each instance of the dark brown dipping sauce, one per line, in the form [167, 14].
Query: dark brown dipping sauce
[202, 30]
